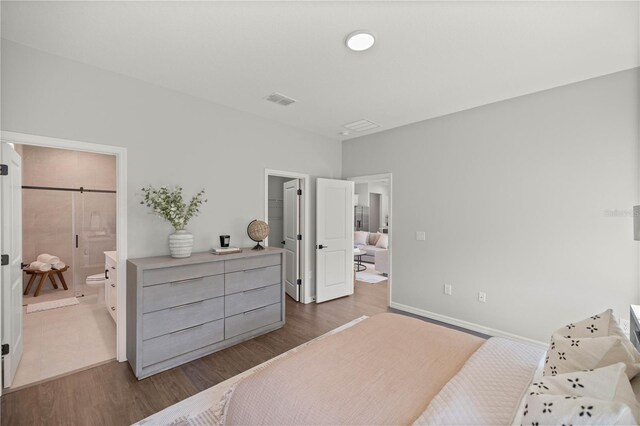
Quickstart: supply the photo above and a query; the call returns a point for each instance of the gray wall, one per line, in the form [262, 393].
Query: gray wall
[171, 138]
[516, 200]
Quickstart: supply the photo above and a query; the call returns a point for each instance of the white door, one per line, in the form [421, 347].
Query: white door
[334, 239]
[11, 212]
[291, 230]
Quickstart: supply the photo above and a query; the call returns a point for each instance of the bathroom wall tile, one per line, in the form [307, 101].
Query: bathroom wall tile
[48, 166]
[65, 168]
[97, 170]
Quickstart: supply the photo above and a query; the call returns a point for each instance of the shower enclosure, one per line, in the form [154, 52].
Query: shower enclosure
[94, 233]
[78, 225]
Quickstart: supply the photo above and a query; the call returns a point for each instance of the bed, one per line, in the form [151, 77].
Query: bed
[387, 369]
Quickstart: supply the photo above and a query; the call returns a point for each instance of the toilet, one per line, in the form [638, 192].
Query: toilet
[97, 281]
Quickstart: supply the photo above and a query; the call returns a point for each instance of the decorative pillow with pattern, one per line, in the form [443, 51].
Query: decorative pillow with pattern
[604, 324]
[579, 333]
[584, 353]
[600, 396]
[566, 410]
[608, 383]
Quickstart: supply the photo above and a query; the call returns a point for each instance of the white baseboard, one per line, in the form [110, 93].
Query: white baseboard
[465, 324]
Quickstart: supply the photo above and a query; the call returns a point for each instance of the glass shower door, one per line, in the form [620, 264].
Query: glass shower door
[47, 227]
[95, 233]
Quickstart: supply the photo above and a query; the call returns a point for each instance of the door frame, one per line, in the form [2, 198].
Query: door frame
[121, 212]
[369, 178]
[305, 247]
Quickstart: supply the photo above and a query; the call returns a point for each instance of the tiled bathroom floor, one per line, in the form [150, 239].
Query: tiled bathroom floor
[62, 340]
[48, 293]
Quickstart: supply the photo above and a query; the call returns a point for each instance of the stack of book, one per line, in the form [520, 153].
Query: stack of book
[226, 250]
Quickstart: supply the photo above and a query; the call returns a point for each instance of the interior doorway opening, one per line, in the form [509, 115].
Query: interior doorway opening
[68, 249]
[96, 218]
[372, 219]
[286, 212]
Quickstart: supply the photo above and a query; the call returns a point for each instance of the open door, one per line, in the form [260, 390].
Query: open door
[334, 239]
[291, 231]
[11, 272]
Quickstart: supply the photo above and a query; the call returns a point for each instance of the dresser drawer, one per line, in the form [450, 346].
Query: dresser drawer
[180, 342]
[177, 293]
[253, 278]
[177, 318]
[251, 299]
[251, 320]
[179, 273]
[256, 262]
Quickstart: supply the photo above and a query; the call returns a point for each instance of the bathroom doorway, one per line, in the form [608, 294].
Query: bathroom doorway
[72, 206]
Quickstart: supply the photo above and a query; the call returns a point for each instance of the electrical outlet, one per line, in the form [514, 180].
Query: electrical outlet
[421, 236]
[447, 289]
[482, 296]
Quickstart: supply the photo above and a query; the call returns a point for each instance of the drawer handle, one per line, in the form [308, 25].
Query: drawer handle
[113, 308]
[252, 290]
[255, 270]
[113, 285]
[187, 329]
[188, 280]
[255, 310]
[187, 304]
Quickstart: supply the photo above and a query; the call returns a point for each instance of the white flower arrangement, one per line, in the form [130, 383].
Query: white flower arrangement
[169, 205]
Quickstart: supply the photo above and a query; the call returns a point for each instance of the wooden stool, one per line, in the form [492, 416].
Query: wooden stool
[43, 277]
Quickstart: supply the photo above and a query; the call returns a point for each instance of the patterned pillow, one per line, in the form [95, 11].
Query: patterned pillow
[568, 410]
[601, 396]
[601, 325]
[581, 353]
[604, 324]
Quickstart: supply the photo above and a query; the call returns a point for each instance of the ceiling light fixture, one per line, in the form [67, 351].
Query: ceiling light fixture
[360, 40]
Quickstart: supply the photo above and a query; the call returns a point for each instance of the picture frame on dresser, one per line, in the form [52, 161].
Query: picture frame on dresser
[179, 310]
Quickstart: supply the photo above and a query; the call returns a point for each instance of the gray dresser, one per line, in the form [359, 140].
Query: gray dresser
[181, 309]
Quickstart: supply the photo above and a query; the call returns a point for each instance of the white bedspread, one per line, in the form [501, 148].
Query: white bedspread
[489, 387]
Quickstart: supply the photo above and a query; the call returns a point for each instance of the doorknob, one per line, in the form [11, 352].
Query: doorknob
[284, 242]
[321, 246]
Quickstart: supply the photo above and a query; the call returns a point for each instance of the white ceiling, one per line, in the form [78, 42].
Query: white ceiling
[430, 59]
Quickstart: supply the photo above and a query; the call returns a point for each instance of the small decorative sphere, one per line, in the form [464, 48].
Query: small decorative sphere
[258, 230]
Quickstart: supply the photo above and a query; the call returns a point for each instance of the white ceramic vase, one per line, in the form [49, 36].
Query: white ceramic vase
[181, 243]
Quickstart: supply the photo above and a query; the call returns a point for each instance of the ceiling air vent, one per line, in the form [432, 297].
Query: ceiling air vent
[361, 125]
[280, 99]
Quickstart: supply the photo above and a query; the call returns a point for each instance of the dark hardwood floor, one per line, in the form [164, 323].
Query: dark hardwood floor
[111, 395]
